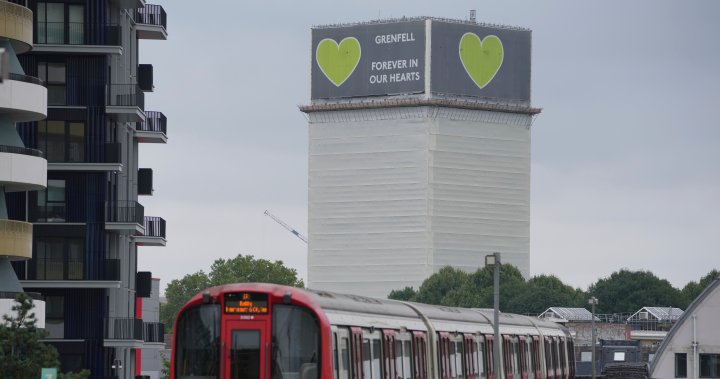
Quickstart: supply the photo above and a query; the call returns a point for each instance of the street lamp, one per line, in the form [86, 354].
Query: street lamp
[493, 260]
[593, 302]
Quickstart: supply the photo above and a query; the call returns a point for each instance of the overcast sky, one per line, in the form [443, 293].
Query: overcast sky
[625, 155]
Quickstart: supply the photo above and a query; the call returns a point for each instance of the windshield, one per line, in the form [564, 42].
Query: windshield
[198, 343]
[295, 343]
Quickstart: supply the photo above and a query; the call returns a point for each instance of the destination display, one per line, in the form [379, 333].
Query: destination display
[368, 60]
[246, 303]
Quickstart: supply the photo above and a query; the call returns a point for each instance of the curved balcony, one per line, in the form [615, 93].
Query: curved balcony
[22, 169]
[16, 24]
[16, 239]
[24, 98]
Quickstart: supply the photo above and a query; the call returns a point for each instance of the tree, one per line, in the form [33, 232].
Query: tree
[223, 271]
[627, 291]
[694, 289]
[22, 355]
[436, 288]
[545, 291]
[405, 294]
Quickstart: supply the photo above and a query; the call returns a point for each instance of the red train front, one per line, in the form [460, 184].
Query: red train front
[250, 331]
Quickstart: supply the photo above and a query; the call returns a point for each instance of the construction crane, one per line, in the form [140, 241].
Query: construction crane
[286, 226]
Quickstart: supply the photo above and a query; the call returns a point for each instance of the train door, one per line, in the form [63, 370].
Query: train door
[390, 354]
[571, 357]
[470, 359]
[481, 357]
[535, 357]
[246, 348]
[356, 340]
[444, 355]
[489, 353]
[403, 356]
[420, 363]
[341, 354]
[523, 357]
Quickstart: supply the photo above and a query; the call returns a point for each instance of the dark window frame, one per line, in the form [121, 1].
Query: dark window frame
[67, 144]
[65, 261]
[709, 365]
[53, 85]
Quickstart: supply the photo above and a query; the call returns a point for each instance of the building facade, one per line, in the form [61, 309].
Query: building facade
[23, 98]
[419, 151]
[88, 223]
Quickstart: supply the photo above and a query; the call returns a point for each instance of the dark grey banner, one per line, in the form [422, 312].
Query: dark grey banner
[368, 60]
[480, 61]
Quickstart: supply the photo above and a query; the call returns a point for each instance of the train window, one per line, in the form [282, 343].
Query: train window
[344, 358]
[295, 343]
[399, 359]
[198, 342]
[376, 359]
[459, 353]
[245, 354]
[480, 358]
[367, 356]
[407, 360]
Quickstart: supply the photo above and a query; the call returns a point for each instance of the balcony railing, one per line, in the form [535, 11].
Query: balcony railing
[26, 79]
[124, 95]
[117, 328]
[125, 212]
[59, 269]
[152, 15]
[21, 150]
[154, 226]
[154, 122]
[112, 269]
[77, 33]
[154, 332]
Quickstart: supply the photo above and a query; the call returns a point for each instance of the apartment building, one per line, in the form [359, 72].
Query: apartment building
[88, 223]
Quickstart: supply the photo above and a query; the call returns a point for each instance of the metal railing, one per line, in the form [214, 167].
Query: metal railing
[154, 122]
[152, 14]
[77, 33]
[26, 79]
[122, 328]
[154, 226]
[154, 332]
[125, 211]
[22, 150]
[59, 269]
[124, 95]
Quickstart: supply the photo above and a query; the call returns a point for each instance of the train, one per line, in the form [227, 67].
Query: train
[270, 331]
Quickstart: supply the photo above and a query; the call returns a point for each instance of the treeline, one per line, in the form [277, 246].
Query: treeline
[624, 291]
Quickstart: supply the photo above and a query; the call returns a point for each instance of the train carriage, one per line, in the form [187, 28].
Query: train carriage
[268, 331]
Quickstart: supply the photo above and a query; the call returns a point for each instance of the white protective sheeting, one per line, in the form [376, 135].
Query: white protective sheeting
[396, 194]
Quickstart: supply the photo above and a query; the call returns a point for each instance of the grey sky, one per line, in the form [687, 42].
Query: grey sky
[626, 153]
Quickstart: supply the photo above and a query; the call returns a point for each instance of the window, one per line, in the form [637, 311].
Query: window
[53, 74]
[197, 348]
[51, 202]
[62, 141]
[55, 316]
[59, 259]
[709, 365]
[680, 365]
[619, 356]
[54, 28]
[296, 343]
[586, 356]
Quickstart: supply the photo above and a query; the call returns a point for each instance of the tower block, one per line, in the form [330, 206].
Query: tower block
[419, 151]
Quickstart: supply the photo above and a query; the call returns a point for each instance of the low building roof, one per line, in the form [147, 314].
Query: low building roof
[657, 314]
[561, 314]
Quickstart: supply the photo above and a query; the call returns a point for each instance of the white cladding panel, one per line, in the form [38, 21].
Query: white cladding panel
[368, 206]
[479, 193]
[397, 194]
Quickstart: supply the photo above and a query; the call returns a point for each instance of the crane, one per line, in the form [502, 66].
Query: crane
[286, 226]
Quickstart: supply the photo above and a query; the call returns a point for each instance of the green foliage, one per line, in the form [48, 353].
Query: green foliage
[694, 289]
[627, 291]
[84, 374]
[165, 371]
[440, 287]
[405, 294]
[223, 271]
[545, 291]
[22, 355]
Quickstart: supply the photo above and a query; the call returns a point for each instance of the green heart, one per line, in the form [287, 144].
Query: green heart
[338, 62]
[481, 58]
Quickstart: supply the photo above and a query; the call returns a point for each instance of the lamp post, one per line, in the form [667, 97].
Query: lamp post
[593, 302]
[493, 260]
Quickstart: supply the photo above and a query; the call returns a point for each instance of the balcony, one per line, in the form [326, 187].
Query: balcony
[23, 98]
[16, 239]
[153, 129]
[129, 4]
[151, 22]
[154, 334]
[125, 102]
[16, 24]
[23, 169]
[69, 273]
[145, 77]
[108, 158]
[145, 182]
[123, 332]
[77, 38]
[154, 232]
[125, 217]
